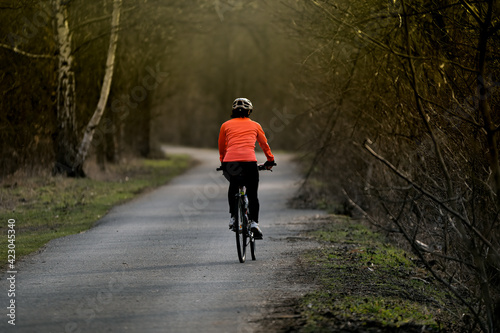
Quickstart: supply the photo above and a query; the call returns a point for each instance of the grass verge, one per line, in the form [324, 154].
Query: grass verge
[45, 208]
[368, 285]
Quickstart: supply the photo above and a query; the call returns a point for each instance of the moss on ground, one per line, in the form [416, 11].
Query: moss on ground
[368, 285]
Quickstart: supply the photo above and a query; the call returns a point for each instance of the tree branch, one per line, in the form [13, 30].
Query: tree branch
[471, 10]
[427, 265]
[26, 54]
[101, 18]
[367, 216]
[494, 30]
[453, 212]
[366, 36]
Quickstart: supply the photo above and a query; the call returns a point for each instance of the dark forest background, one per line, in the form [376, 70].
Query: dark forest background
[393, 105]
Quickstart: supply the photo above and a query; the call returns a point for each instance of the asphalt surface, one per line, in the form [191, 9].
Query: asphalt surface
[164, 262]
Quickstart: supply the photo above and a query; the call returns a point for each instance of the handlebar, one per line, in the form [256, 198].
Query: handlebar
[264, 167]
[260, 166]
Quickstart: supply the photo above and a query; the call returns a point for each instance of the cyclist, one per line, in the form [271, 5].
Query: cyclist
[239, 164]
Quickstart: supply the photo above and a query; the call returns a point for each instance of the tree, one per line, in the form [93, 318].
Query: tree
[77, 165]
[27, 83]
[426, 71]
[65, 138]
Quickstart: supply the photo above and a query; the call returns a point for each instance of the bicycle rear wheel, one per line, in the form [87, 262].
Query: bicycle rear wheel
[241, 234]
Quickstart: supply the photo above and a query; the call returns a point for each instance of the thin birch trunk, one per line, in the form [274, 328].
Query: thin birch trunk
[106, 87]
[65, 140]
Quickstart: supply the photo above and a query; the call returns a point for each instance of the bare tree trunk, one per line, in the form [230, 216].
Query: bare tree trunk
[64, 138]
[421, 111]
[484, 98]
[492, 144]
[106, 86]
[144, 134]
[425, 118]
[110, 138]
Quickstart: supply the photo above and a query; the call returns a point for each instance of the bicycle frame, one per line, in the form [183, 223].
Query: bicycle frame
[244, 234]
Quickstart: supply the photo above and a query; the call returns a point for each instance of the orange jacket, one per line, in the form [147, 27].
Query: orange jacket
[237, 141]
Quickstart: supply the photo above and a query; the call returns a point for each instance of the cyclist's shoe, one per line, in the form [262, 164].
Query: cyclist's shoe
[257, 233]
[231, 223]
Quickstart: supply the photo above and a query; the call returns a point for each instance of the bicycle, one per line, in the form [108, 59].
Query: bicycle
[241, 227]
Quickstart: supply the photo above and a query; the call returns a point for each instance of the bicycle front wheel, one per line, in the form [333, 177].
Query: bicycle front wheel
[241, 235]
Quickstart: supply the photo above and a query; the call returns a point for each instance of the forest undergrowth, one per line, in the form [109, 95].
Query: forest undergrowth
[364, 282]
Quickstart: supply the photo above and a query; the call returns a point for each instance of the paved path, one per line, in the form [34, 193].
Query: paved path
[164, 262]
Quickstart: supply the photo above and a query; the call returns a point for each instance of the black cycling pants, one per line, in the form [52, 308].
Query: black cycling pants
[247, 174]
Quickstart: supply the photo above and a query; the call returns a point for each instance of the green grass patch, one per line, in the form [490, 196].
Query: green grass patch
[366, 282]
[45, 208]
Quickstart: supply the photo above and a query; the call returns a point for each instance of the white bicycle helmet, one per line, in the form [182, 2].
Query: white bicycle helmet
[243, 103]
